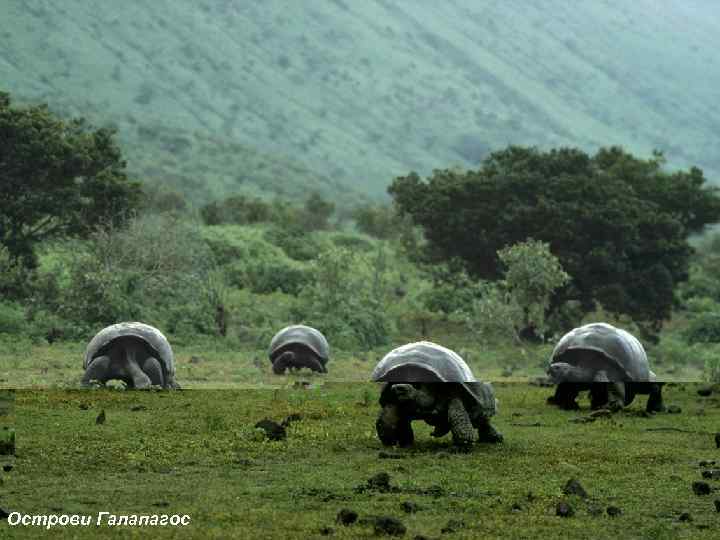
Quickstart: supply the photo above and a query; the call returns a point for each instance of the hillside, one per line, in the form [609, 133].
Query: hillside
[342, 96]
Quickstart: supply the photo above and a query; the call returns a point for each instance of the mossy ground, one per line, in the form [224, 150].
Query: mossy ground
[197, 452]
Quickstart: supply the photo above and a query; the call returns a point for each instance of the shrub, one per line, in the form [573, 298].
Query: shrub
[704, 327]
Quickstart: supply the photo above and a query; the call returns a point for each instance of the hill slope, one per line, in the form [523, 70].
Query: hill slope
[359, 92]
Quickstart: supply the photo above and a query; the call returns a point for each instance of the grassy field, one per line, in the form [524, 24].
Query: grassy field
[197, 452]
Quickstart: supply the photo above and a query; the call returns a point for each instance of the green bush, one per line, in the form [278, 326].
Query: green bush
[704, 327]
[346, 300]
[12, 318]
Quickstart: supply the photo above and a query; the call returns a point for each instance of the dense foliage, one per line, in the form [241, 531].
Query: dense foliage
[618, 224]
[57, 178]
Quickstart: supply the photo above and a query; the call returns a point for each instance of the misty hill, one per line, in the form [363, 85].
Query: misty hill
[217, 96]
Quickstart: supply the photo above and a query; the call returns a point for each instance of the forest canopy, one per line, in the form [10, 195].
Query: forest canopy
[618, 224]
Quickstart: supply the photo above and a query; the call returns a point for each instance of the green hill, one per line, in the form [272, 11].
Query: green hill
[216, 96]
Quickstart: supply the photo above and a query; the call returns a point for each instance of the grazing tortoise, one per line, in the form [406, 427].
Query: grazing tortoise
[133, 352]
[609, 362]
[299, 346]
[425, 381]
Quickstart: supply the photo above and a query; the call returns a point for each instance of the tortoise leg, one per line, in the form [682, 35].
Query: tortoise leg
[283, 362]
[460, 423]
[655, 400]
[486, 432]
[565, 396]
[616, 396]
[151, 367]
[310, 361]
[98, 370]
[393, 427]
[599, 395]
[136, 377]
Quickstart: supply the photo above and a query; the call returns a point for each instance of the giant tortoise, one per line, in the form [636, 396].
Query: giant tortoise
[425, 381]
[136, 353]
[609, 362]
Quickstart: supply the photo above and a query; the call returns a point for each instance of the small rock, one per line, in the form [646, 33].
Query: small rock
[390, 526]
[346, 517]
[674, 409]
[573, 487]
[685, 516]
[711, 474]
[273, 430]
[701, 488]
[613, 511]
[100, 417]
[409, 507]
[380, 482]
[563, 509]
[327, 531]
[705, 391]
[453, 526]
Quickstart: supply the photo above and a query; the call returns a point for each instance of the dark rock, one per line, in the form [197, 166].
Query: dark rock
[381, 481]
[711, 474]
[685, 516]
[327, 531]
[613, 511]
[453, 526]
[390, 526]
[346, 517]
[273, 430]
[409, 507]
[705, 391]
[674, 409]
[295, 417]
[701, 488]
[563, 509]
[573, 487]
[100, 417]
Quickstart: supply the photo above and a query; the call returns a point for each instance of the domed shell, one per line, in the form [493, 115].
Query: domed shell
[425, 361]
[618, 346]
[300, 335]
[157, 342]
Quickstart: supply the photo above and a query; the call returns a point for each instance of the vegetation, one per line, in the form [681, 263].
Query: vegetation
[58, 178]
[618, 224]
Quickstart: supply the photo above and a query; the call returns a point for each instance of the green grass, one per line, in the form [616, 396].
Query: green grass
[197, 453]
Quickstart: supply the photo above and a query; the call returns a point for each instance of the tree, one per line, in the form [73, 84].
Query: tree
[617, 223]
[57, 178]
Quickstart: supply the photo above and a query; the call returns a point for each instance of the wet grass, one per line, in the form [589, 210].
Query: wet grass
[197, 452]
